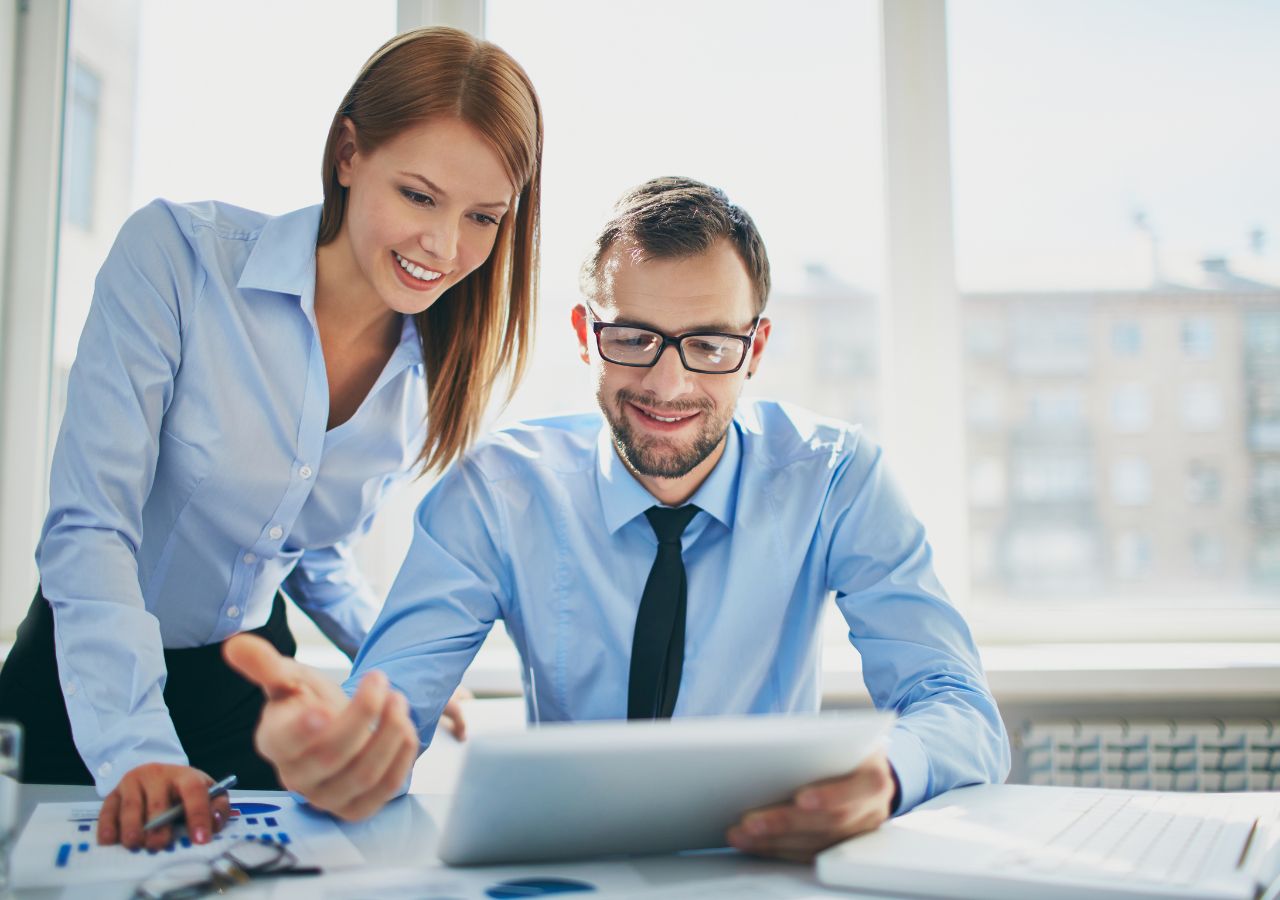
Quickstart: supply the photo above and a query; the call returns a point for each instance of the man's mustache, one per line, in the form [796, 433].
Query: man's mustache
[650, 402]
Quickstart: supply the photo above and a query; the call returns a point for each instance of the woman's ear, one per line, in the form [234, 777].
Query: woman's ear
[346, 151]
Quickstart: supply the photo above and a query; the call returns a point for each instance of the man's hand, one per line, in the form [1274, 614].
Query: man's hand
[149, 790]
[346, 756]
[820, 814]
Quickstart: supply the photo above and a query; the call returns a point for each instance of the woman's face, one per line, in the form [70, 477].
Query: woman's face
[422, 210]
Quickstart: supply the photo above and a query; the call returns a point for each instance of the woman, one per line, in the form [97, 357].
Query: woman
[246, 390]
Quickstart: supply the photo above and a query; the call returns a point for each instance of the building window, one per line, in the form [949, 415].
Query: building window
[1132, 555]
[1057, 407]
[1131, 408]
[1202, 406]
[1130, 481]
[80, 159]
[1204, 484]
[1197, 337]
[1207, 553]
[1126, 338]
[1052, 478]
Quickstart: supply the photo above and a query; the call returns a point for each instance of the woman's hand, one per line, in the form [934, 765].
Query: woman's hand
[149, 790]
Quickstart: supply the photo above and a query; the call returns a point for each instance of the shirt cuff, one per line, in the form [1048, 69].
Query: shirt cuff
[108, 772]
[911, 765]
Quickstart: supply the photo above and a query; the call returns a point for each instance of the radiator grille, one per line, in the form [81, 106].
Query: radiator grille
[1190, 755]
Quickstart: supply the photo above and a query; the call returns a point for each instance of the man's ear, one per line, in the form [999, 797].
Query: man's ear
[758, 344]
[579, 317]
[346, 151]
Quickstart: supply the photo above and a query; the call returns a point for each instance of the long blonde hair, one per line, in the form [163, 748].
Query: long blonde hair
[482, 327]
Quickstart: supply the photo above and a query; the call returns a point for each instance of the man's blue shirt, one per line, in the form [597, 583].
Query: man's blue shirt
[195, 473]
[542, 526]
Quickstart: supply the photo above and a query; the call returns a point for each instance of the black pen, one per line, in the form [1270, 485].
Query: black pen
[173, 813]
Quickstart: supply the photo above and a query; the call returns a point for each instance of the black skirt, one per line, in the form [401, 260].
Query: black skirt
[213, 709]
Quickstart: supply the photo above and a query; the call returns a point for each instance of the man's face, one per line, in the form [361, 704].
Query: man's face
[668, 422]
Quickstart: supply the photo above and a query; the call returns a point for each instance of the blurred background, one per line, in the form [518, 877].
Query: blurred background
[1032, 246]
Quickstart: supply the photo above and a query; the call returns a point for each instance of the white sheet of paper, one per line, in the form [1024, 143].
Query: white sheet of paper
[59, 846]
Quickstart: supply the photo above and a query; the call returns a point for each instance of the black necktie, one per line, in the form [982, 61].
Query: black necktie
[657, 650]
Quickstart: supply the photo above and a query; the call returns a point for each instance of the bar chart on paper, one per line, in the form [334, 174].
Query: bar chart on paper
[59, 846]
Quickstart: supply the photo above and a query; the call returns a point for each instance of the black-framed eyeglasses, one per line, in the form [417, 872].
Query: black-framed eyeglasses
[704, 352]
[244, 861]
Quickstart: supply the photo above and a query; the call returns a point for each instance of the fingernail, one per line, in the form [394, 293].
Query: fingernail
[200, 836]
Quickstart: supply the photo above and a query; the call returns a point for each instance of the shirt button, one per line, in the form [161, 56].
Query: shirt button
[250, 558]
[71, 690]
[275, 533]
[104, 770]
[233, 612]
[305, 472]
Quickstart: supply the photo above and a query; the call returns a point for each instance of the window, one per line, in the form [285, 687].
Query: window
[1132, 555]
[699, 114]
[1048, 477]
[1115, 245]
[1131, 408]
[1057, 407]
[1130, 482]
[1204, 484]
[1207, 553]
[80, 156]
[1126, 338]
[1202, 406]
[1197, 338]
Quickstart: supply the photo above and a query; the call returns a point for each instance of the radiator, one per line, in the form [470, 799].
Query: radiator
[1160, 754]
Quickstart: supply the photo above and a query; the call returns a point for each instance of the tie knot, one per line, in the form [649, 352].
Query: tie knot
[669, 524]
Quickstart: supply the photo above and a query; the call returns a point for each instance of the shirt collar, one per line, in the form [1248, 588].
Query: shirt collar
[283, 258]
[622, 497]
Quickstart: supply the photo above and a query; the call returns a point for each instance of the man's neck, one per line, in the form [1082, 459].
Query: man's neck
[675, 491]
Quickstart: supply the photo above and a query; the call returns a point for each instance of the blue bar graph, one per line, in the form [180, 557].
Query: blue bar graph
[64, 853]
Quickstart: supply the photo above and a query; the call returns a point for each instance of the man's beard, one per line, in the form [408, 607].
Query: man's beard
[662, 457]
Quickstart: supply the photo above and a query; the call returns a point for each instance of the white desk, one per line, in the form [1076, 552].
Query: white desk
[404, 835]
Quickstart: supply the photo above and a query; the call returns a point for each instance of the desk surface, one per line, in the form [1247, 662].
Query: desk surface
[399, 847]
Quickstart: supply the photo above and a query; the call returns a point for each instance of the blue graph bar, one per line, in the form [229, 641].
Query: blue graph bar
[84, 848]
[284, 838]
[84, 827]
[270, 822]
[64, 853]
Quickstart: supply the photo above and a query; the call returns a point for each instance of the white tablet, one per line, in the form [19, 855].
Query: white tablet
[577, 790]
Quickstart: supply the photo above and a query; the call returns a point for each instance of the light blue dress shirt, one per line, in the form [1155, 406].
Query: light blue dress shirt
[542, 526]
[194, 474]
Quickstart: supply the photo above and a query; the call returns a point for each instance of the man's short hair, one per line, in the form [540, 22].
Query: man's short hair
[672, 218]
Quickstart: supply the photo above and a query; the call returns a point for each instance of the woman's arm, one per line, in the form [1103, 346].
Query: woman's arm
[109, 651]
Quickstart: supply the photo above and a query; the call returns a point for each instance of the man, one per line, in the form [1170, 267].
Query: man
[670, 559]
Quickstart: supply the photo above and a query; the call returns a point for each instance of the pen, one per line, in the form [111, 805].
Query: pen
[173, 813]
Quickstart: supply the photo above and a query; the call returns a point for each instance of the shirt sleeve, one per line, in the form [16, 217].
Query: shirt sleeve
[108, 647]
[918, 656]
[445, 600]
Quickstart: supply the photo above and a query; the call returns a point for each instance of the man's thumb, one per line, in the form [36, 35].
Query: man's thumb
[262, 664]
